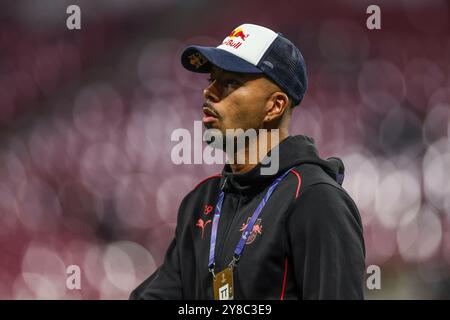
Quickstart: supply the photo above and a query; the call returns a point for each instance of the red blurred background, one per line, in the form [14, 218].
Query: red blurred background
[86, 117]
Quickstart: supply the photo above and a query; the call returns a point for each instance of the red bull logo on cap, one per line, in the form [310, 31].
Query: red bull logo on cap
[235, 38]
[238, 33]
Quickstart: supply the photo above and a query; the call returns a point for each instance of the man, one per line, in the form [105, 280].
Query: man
[294, 234]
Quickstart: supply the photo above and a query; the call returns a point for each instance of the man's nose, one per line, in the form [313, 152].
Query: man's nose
[211, 93]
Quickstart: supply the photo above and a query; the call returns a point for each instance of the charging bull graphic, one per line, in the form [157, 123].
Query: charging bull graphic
[238, 33]
[236, 38]
[257, 229]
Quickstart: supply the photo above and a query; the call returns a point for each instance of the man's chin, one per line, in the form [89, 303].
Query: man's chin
[214, 137]
[207, 125]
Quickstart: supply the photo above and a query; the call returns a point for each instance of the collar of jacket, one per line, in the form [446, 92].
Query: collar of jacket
[293, 151]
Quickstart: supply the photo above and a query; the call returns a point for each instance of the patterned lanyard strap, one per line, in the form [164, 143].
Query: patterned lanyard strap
[240, 246]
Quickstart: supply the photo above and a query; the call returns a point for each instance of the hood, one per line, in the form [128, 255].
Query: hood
[293, 151]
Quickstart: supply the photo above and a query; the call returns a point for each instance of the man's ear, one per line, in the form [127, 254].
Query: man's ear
[276, 105]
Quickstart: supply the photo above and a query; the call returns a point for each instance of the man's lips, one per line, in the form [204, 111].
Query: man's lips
[209, 115]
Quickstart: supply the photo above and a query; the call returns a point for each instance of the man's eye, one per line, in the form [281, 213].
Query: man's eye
[224, 82]
[232, 82]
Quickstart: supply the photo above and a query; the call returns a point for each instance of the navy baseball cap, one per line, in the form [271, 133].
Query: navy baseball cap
[254, 49]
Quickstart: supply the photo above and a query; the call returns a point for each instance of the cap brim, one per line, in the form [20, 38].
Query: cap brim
[214, 56]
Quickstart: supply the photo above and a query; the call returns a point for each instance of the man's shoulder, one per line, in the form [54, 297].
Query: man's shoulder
[201, 194]
[313, 174]
[319, 189]
[315, 180]
[322, 201]
[212, 179]
[204, 186]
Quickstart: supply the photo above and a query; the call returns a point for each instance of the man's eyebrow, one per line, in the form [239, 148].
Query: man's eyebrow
[241, 77]
[215, 73]
[235, 75]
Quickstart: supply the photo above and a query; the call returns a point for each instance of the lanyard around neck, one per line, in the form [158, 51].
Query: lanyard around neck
[248, 229]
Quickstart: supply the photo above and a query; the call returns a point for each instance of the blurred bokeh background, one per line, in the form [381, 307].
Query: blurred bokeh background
[86, 118]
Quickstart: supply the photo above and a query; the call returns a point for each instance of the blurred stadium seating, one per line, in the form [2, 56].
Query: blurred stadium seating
[86, 118]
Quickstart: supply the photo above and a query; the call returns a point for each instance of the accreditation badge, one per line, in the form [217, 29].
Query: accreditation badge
[223, 285]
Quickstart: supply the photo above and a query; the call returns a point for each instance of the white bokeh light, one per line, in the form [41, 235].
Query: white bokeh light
[436, 166]
[125, 262]
[398, 196]
[362, 182]
[93, 266]
[149, 130]
[308, 121]
[119, 269]
[43, 272]
[419, 238]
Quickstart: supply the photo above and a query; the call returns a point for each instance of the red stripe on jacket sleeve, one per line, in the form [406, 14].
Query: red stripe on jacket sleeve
[284, 278]
[299, 182]
[283, 288]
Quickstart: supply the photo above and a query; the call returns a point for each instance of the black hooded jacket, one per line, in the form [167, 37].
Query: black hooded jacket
[308, 241]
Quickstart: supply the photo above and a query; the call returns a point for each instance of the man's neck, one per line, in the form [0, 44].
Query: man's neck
[252, 146]
[242, 168]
